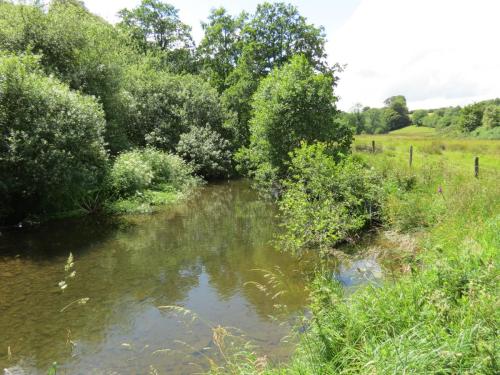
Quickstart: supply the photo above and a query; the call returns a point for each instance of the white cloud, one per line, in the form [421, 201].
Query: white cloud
[435, 52]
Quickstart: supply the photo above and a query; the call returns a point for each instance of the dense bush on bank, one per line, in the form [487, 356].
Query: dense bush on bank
[51, 148]
[135, 171]
[326, 202]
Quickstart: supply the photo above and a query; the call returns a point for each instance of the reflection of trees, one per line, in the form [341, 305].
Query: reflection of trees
[127, 267]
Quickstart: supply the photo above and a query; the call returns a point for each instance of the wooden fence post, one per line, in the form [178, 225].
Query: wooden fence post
[411, 155]
[373, 147]
[476, 167]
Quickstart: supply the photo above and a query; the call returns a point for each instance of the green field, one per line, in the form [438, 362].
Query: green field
[412, 131]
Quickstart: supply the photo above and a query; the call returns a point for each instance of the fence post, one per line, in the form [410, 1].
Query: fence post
[411, 155]
[476, 167]
[373, 147]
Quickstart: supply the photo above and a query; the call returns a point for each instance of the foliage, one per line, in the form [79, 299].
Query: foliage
[418, 116]
[435, 315]
[130, 173]
[159, 107]
[478, 119]
[491, 116]
[292, 105]
[155, 26]
[396, 113]
[471, 117]
[138, 170]
[52, 148]
[437, 311]
[378, 120]
[325, 201]
[206, 151]
[76, 47]
[269, 39]
[221, 45]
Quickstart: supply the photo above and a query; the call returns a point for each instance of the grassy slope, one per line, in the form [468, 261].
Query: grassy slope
[442, 314]
[411, 131]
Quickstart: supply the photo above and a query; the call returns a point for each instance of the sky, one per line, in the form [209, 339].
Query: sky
[434, 52]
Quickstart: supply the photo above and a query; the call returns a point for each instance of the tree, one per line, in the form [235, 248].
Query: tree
[276, 32]
[356, 118]
[220, 48]
[471, 117]
[396, 113]
[491, 116]
[159, 106]
[156, 26]
[293, 104]
[207, 152]
[418, 117]
[327, 201]
[156, 23]
[272, 36]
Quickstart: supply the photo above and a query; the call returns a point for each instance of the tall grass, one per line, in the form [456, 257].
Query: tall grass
[441, 315]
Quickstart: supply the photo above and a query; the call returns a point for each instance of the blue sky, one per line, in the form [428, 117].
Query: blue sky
[435, 52]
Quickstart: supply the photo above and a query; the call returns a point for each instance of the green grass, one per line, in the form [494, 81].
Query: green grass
[441, 314]
[411, 131]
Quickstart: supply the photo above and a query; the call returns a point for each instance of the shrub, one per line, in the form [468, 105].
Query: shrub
[168, 168]
[206, 151]
[137, 170]
[51, 145]
[326, 202]
[131, 173]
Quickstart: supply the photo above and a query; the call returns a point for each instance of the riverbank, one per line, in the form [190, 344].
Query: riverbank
[441, 314]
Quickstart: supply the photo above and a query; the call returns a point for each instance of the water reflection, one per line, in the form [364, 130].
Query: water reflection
[204, 255]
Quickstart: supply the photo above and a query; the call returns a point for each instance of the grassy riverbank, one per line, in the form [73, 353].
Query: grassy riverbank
[441, 315]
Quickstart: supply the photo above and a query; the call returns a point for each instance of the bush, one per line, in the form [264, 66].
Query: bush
[131, 173]
[168, 168]
[326, 202]
[51, 146]
[138, 170]
[207, 152]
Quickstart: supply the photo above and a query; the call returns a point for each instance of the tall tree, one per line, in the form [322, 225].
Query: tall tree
[272, 36]
[155, 25]
[396, 113]
[221, 45]
[293, 104]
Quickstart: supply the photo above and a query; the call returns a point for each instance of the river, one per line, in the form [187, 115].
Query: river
[157, 286]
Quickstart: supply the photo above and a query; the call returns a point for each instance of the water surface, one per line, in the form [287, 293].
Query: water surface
[211, 255]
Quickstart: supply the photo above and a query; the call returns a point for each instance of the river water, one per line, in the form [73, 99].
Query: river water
[174, 292]
[158, 285]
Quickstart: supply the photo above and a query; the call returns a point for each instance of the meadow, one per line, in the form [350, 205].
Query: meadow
[440, 314]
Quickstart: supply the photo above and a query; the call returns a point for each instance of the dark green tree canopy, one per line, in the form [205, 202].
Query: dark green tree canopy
[396, 113]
